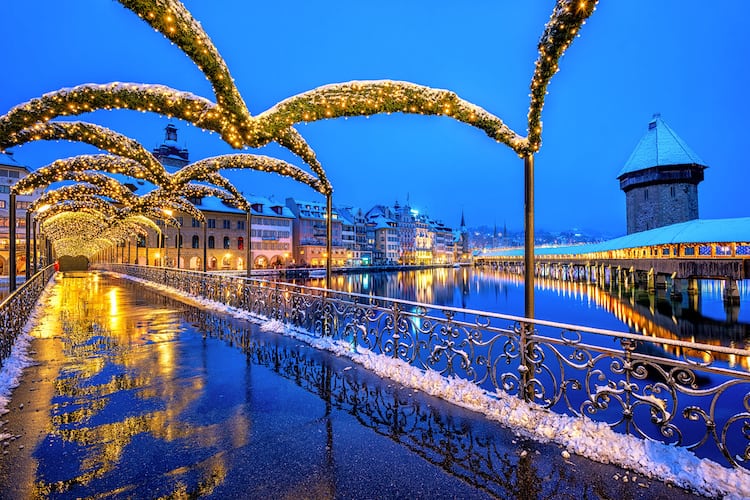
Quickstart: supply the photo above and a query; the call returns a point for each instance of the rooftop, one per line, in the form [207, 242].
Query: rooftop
[660, 146]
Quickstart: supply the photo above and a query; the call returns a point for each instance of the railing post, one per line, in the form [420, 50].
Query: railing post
[396, 334]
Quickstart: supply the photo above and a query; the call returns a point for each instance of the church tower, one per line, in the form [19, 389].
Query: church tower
[660, 180]
[169, 153]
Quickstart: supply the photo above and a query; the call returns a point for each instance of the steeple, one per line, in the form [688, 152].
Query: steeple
[169, 153]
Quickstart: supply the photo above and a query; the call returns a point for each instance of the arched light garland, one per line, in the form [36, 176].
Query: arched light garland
[58, 169]
[364, 98]
[232, 120]
[85, 192]
[200, 191]
[95, 135]
[95, 206]
[84, 224]
[256, 162]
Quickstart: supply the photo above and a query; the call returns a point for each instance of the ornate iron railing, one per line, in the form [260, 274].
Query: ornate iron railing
[16, 308]
[678, 392]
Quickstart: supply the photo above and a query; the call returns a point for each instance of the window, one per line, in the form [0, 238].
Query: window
[671, 191]
[212, 223]
[23, 205]
[2, 204]
[226, 224]
[4, 189]
[195, 222]
[240, 224]
[226, 242]
[240, 243]
[211, 242]
[196, 241]
[178, 241]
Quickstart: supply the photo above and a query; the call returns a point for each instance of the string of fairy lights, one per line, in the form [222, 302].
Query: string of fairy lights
[94, 197]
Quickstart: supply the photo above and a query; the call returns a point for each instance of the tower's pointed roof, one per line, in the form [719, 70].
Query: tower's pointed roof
[660, 146]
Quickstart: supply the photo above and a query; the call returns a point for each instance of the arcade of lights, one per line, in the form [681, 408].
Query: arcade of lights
[98, 211]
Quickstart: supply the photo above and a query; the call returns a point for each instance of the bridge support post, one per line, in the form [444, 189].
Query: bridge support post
[676, 288]
[661, 281]
[651, 284]
[731, 292]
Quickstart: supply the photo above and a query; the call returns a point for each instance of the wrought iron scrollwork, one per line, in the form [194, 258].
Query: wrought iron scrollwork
[629, 381]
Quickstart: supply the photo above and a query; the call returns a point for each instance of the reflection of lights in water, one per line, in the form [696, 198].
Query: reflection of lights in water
[625, 310]
[98, 364]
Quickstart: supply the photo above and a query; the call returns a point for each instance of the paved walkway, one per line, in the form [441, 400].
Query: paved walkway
[137, 395]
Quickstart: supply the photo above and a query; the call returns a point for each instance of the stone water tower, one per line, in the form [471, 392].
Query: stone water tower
[660, 180]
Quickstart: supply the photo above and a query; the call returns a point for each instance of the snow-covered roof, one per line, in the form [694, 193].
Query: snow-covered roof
[660, 146]
[7, 160]
[694, 231]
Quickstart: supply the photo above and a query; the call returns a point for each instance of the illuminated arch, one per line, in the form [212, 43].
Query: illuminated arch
[364, 98]
[255, 162]
[58, 169]
[95, 135]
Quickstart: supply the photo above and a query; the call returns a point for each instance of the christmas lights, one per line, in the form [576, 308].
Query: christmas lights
[229, 117]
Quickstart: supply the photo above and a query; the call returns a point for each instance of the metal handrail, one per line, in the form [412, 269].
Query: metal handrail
[691, 398]
[16, 309]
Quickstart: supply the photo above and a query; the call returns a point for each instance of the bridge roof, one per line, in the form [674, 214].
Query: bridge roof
[660, 146]
[694, 231]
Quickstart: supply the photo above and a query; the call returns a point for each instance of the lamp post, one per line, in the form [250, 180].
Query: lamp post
[329, 237]
[249, 235]
[205, 252]
[528, 259]
[28, 244]
[179, 244]
[12, 236]
[36, 258]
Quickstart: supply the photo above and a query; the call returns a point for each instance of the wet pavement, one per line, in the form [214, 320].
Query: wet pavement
[139, 395]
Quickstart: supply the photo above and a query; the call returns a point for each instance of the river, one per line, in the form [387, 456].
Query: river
[701, 318]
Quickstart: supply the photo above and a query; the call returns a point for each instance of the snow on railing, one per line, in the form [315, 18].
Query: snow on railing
[681, 393]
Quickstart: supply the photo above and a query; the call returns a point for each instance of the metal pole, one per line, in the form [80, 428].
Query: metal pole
[163, 241]
[129, 250]
[36, 258]
[205, 252]
[179, 245]
[28, 244]
[146, 246]
[528, 255]
[12, 236]
[329, 237]
[249, 235]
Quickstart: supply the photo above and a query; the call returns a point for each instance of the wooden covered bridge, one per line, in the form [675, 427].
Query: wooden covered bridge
[654, 259]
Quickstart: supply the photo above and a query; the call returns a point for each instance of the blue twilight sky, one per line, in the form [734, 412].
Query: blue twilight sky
[683, 58]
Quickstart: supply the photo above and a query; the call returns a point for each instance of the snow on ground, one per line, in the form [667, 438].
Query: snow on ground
[580, 435]
[13, 366]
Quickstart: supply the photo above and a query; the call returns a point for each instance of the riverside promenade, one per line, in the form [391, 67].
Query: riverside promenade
[134, 394]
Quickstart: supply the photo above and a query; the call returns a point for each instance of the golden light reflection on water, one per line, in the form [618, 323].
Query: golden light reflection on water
[642, 319]
[118, 383]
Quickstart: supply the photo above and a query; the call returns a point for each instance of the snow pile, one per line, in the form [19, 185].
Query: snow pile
[273, 325]
[580, 435]
[19, 358]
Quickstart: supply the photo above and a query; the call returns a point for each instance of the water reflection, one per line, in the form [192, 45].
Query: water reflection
[701, 317]
[144, 407]
[115, 392]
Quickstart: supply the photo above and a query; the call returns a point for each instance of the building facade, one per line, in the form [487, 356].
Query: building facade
[309, 234]
[11, 172]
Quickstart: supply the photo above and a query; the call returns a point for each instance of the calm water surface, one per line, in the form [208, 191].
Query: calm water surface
[702, 317]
